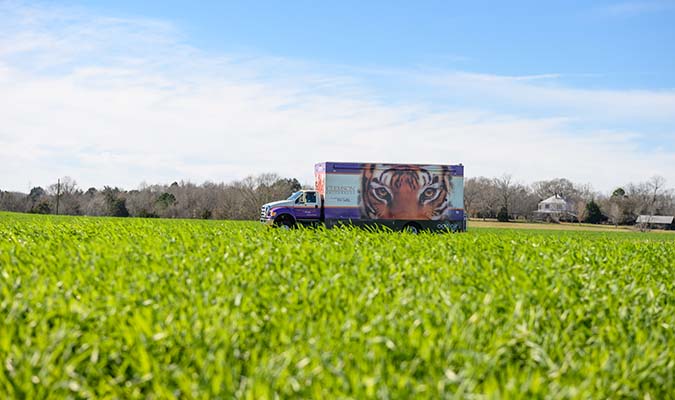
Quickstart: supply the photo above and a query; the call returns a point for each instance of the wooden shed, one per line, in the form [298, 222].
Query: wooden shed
[656, 221]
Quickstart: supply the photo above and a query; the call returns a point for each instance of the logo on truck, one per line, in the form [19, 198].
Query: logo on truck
[405, 192]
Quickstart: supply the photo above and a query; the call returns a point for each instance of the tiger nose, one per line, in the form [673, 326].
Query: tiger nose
[407, 212]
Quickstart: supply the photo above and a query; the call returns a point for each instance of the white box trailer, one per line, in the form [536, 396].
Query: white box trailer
[400, 196]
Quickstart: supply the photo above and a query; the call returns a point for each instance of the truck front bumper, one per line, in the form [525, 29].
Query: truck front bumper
[267, 222]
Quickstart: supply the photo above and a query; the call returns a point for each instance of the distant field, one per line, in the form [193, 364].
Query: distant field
[142, 308]
[564, 226]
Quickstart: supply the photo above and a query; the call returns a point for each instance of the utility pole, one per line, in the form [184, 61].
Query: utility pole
[58, 194]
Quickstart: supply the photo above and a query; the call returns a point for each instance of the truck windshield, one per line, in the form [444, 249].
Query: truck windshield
[294, 196]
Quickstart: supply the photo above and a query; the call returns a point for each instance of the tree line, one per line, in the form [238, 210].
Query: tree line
[235, 200]
[501, 197]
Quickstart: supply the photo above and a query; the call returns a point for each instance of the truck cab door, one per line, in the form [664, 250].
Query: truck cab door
[308, 206]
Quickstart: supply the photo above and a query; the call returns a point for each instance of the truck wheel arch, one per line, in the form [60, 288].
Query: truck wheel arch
[285, 219]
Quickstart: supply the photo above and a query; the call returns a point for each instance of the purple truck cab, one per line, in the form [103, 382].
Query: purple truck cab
[301, 207]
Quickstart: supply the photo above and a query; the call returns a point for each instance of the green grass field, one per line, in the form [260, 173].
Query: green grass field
[132, 308]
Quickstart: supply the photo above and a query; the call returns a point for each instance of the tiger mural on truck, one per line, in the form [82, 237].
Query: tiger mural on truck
[405, 192]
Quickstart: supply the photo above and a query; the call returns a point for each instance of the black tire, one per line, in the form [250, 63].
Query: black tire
[284, 221]
[412, 228]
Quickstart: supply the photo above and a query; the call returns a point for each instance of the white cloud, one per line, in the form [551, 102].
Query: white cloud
[118, 102]
[528, 93]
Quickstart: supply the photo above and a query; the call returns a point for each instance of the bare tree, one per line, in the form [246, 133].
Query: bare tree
[505, 189]
[614, 213]
[523, 202]
[559, 186]
[261, 189]
[570, 191]
[13, 201]
[68, 195]
[472, 192]
[483, 197]
[68, 186]
[580, 209]
[655, 184]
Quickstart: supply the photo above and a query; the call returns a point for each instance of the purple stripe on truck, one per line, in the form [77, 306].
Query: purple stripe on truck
[357, 168]
[342, 213]
[355, 213]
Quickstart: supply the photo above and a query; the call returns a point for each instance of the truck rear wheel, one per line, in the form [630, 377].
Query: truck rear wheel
[412, 228]
[284, 221]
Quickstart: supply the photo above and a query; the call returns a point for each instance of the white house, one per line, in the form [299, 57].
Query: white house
[555, 207]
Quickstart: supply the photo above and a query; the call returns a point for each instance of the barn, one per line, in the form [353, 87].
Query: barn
[656, 221]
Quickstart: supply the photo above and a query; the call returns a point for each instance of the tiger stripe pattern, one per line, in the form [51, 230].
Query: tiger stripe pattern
[406, 192]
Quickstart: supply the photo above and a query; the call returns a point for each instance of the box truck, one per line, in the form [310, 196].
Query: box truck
[410, 197]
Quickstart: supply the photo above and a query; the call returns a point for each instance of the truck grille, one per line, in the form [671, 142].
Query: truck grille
[263, 214]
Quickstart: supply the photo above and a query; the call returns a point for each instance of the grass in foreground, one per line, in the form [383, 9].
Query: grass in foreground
[130, 308]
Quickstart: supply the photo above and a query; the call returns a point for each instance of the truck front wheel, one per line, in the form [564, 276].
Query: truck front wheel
[284, 221]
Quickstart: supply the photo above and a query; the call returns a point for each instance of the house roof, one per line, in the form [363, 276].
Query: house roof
[655, 219]
[555, 199]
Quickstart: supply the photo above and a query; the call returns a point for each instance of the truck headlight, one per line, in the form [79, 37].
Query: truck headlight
[273, 213]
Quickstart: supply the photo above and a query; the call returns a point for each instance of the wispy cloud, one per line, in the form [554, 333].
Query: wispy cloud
[121, 101]
[634, 8]
[544, 92]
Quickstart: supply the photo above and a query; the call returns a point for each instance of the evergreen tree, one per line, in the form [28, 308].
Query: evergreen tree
[165, 200]
[36, 193]
[118, 208]
[619, 192]
[42, 207]
[593, 213]
[503, 215]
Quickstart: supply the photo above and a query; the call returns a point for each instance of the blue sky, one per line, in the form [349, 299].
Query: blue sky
[604, 44]
[119, 93]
